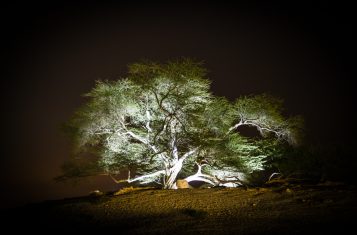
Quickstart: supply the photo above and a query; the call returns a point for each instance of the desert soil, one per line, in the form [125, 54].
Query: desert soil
[292, 209]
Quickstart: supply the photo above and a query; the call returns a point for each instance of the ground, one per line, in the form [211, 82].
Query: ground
[275, 209]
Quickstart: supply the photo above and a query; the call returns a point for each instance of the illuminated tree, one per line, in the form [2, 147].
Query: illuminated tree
[162, 121]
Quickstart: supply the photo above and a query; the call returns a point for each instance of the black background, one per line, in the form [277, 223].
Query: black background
[52, 53]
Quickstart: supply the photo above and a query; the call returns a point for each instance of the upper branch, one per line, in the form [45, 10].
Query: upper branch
[139, 138]
[278, 131]
[148, 116]
[189, 153]
[240, 123]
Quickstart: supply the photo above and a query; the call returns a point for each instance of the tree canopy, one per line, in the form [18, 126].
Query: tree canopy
[161, 123]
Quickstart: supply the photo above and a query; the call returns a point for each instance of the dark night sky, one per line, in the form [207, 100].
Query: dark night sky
[301, 52]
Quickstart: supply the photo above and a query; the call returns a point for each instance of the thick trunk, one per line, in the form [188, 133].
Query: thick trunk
[169, 181]
[170, 178]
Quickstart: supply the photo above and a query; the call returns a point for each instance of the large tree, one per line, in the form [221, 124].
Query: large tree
[161, 122]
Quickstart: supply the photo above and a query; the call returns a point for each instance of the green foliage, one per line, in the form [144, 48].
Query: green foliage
[149, 120]
[266, 113]
[219, 116]
[245, 154]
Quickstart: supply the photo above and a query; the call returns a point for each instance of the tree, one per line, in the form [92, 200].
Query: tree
[162, 121]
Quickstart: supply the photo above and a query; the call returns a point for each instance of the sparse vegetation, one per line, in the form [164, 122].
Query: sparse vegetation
[130, 189]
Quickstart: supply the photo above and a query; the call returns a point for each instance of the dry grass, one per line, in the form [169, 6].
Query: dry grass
[130, 189]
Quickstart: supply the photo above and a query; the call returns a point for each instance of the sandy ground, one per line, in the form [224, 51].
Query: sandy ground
[293, 209]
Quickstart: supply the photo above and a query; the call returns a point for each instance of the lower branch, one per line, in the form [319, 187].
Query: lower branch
[140, 178]
[199, 178]
[230, 183]
[213, 180]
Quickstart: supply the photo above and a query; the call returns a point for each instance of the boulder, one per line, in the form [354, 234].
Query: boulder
[182, 184]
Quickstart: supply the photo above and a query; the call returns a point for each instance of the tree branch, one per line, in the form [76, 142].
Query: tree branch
[199, 178]
[146, 176]
[148, 116]
[139, 138]
[234, 127]
[261, 127]
[137, 178]
[174, 148]
[189, 153]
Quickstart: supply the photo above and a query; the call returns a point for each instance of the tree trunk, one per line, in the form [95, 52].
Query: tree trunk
[170, 181]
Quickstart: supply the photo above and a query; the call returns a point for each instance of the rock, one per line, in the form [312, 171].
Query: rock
[288, 190]
[96, 193]
[182, 184]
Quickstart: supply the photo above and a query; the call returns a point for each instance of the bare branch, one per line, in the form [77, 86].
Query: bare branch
[189, 153]
[199, 178]
[151, 175]
[147, 176]
[148, 116]
[234, 127]
[174, 148]
[139, 138]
